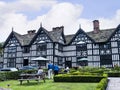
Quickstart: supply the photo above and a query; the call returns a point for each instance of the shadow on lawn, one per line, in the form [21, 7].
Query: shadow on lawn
[31, 84]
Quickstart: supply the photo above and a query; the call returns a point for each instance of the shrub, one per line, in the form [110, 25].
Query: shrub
[13, 75]
[102, 84]
[113, 74]
[77, 78]
[2, 76]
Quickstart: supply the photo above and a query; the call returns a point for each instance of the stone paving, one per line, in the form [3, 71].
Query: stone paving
[114, 83]
[4, 89]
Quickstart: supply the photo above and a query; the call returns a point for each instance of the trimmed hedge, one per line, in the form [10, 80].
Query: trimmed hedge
[113, 74]
[102, 84]
[7, 75]
[77, 78]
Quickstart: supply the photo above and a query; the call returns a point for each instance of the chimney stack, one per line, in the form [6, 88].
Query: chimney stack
[30, 32]
[96, 28]
[58, 28]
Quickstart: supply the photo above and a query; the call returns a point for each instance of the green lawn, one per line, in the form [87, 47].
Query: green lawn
[49, 85]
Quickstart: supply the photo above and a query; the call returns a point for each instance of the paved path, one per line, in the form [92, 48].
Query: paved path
[113, 84]
[4, 89]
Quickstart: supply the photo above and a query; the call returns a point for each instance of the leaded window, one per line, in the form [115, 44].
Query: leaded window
[11, 62]
[60, 61]
[81, 50]
[42, 49]
[12, 48]
[60, 47]
[105, 48]
[26, 49]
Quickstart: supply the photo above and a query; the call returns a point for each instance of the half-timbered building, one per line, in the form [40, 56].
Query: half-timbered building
[96, 48]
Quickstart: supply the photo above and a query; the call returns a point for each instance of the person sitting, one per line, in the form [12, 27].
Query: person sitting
[40, 71]
[67, 70]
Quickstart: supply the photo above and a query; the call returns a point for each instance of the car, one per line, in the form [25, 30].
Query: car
[27, 68]
[35, 66]
[9, 69]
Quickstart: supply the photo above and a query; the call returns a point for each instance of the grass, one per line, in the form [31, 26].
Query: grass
[49, 85]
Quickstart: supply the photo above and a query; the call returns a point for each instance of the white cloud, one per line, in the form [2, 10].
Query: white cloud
[65, 14]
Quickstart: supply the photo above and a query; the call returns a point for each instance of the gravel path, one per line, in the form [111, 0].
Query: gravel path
[113, 84]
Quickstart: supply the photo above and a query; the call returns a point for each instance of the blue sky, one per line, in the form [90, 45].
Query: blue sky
[92, 8]
[24, 15]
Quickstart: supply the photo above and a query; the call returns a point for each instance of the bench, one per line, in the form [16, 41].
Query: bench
[29, 77]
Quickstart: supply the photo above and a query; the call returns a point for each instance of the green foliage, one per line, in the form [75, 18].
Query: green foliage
[13, 75]
[48, 85]
[2, 76]
[102, 84]
[116, 68]
[77, 78]
[113, 74]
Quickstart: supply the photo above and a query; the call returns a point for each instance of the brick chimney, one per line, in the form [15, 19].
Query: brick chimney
[96, 28]
[30, 32]
[58, 28]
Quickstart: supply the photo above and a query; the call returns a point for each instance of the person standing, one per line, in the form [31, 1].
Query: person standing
[50, 68]
[56, 69]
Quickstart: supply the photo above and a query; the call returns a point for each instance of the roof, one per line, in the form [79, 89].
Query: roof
[24, 39]
[69, 38]
[102, 35]
[54, 35]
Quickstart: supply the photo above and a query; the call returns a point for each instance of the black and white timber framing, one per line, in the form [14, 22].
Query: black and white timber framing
[100, 47]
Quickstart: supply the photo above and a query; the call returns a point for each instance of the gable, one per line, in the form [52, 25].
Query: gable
[116, 35]
[11, 40]
[80, 36]
[42, 35]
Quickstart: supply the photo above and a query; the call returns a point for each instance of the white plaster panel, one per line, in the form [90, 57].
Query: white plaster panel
[49, 45]
[69, 48]
[114, 50]
[89, 46]
[89, 52]
[33, 47]
[5, 55]
[19, 48]
[73, 59]
[5, 49]
[18, 60]
[33, 53]
[72, 53]
[5, 60]
[113, 44]
[19, 54]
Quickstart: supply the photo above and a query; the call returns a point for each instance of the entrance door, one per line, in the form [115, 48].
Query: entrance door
[68, 63]
[25, 62]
